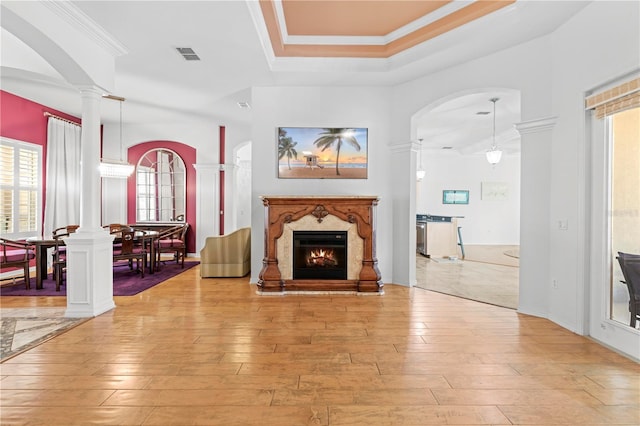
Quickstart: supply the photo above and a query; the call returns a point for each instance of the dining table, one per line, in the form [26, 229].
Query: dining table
[42, 244]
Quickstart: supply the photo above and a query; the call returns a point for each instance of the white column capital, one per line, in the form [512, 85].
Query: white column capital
[91, 92]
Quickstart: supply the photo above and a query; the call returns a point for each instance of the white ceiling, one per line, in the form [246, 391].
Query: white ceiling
[231, 40]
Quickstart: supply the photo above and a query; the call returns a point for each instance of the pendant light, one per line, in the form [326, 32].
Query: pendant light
[494, 154]
[420, 173]
[116, 169]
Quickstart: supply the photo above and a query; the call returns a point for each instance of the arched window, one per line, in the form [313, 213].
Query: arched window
[160, 187]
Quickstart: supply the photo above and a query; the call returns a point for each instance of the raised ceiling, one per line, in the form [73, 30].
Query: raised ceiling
[364, 29]
[244, 44]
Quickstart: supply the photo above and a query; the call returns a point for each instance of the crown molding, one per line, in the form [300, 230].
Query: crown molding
[536, 126]
[83, 23]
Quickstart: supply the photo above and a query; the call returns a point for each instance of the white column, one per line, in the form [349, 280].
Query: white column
[404, 212]
[207, 204]
[90, 201]
[90, 248]
[535, 186]
[230, 198]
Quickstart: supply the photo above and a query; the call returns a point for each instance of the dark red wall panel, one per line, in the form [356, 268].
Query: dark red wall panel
[188, 155]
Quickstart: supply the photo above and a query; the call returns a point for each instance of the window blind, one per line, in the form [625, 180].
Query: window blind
[19, 188]
[28, 184]
[6, 188]
[616, 99]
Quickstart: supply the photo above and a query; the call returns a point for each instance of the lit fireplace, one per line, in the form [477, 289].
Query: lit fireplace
[321, 258]
[320, 255]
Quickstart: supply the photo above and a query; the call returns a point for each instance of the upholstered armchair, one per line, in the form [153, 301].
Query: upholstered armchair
[227, 255]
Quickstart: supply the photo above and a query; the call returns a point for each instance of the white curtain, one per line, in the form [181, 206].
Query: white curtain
[62, 201]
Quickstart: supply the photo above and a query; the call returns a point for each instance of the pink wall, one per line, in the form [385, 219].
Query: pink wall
[188, 155]
[24, 120]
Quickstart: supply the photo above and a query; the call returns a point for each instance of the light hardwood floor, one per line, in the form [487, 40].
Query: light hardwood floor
[212, 352]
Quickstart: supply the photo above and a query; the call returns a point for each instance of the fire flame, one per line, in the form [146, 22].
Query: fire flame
[321, 257]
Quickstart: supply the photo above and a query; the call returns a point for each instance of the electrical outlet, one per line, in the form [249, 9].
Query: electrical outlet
[555, 283]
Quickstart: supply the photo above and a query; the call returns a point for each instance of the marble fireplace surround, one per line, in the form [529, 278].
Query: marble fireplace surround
[354, 214]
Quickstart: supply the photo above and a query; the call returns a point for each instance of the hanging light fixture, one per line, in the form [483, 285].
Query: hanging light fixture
[116, 169]
[420, 173]
[494, 154]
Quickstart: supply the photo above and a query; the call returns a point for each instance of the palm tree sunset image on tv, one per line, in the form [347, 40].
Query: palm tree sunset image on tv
[322, 153]
[286, 147]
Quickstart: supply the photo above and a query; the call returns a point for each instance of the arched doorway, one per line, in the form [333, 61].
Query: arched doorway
[454, 134]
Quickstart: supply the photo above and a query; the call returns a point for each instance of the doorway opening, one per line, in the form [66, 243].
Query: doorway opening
[455, 133]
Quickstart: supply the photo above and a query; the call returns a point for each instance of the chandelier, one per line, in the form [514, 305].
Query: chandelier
[111, 168]
[494, 154]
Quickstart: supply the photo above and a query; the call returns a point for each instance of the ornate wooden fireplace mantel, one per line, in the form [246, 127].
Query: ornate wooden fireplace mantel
[357, 210]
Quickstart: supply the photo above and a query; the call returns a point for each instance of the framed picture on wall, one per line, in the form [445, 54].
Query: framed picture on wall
[322, 153]
[494, 191]
[455, 196]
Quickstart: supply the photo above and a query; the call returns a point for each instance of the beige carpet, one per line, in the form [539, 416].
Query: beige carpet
[22, 329]
[486, 275]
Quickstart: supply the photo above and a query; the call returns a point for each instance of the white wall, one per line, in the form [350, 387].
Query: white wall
[552, 74]
[485, 221]
[586, 54]
[320, 107]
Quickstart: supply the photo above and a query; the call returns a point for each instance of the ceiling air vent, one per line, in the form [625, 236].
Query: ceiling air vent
[188, 53]
[483, 112]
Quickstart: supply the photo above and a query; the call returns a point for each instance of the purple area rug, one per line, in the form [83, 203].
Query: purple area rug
[125, 282]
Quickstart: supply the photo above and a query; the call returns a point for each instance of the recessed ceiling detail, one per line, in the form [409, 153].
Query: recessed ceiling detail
[353, 18]
[364, 29]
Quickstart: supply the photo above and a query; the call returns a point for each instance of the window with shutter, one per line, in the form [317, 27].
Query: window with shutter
[20, 188]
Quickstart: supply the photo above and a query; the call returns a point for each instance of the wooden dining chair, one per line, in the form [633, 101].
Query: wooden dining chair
[17, 254]
[115, 227]
[59, 266]
[172, 240]
[59, 256]
[128, 250]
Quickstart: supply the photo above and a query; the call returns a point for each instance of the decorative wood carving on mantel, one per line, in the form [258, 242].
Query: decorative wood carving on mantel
[359, 210]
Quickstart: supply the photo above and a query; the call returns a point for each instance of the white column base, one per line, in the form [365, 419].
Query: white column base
[89, 273]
